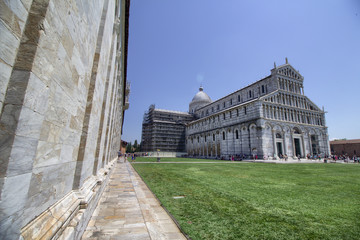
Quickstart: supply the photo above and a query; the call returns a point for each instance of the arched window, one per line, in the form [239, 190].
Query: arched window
[214, 137]
[237, 134]
[296, 131]
[278, 135]
[223, 135]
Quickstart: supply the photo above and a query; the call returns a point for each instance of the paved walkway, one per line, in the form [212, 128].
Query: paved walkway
[128, 210]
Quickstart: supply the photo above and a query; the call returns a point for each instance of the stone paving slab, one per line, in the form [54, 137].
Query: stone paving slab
[129, 210]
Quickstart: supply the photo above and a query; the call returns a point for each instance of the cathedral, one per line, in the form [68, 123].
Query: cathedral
[268, 119]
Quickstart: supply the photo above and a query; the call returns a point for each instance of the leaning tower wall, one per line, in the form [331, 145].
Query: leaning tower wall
[61, 101]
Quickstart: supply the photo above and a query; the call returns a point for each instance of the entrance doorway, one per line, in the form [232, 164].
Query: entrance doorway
[297, 146]
[279, 149]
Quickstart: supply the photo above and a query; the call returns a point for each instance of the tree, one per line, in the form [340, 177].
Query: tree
[136, 146]
[129, 148]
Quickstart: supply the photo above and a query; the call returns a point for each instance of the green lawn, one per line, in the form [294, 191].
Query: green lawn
[260, 201]
[169, 159]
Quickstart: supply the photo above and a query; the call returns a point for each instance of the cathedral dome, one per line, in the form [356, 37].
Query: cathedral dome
[199, 100]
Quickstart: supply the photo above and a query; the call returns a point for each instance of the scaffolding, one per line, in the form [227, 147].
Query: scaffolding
[164, 130]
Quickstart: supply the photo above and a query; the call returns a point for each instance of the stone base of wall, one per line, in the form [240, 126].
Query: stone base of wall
[68, 218]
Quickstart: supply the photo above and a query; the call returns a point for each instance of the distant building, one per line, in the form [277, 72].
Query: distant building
[269, 118]
[345, 147]
[164, 130]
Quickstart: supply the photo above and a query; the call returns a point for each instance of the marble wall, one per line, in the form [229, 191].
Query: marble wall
[61, 99]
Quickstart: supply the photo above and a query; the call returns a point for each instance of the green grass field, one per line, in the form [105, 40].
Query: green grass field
[168, 159]
[259, 201]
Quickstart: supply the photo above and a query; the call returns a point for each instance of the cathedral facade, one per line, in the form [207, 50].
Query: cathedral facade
[269, 118]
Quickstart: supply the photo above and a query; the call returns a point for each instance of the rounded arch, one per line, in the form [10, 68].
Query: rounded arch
[317, 131]
[236, 134]
[278, 128]
[252, 127]
[297, 130]
[286, 129]
[312, 131]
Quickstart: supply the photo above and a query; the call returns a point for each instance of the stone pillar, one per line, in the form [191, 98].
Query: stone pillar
[284, 142]
[292, 142]
[274, 143]
[310, 144]
[303, 145]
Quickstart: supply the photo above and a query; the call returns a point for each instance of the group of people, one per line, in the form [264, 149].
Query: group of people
[126, 155]
[346, 158]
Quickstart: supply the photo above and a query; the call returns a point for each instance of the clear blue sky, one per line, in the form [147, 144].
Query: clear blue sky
[174, 46]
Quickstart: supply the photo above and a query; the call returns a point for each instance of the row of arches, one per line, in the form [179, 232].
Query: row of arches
[290, 100]
[239, 97]
[289, 72]
[290, 86]
[292, 115]
[217, 120]
[272, 140]
[224, 141]
[297, 141]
